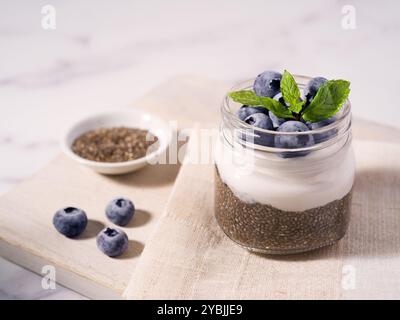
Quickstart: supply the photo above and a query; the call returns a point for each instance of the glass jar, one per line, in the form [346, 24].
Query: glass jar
[282, 201]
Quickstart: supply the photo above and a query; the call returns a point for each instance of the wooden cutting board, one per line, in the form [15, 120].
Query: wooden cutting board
[28, 238]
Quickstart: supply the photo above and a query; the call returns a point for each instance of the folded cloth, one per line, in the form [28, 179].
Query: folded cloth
[189, 257]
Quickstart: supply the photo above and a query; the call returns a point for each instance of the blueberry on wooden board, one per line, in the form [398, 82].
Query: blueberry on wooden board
[70, 221]
[112, 241]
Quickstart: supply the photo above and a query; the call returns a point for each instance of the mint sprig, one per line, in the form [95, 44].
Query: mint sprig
[328, 100]
[291, 93]
[249, 97]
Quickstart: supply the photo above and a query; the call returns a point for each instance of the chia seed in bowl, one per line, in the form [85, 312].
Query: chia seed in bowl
[117, 144]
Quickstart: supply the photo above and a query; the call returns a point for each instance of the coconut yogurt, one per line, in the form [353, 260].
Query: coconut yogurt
[295, 184]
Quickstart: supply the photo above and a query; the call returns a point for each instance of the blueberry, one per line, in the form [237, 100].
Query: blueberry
[279, 97]
[267, 84]
[312, 87]
[320, 124]
[112, 242]
[260, 120]
[293, 141]
[70, 221]
[120, 211]
[320, 137]
[276, 121]
[246, 111]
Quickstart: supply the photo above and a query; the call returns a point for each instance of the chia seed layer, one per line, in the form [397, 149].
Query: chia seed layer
[263, 228]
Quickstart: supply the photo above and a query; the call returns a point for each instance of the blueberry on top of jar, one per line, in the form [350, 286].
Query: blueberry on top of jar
[293, 141]
[267, 84]
[312, 87]
[246, 111]
[263, 121]
[276, 121]
[323, 136]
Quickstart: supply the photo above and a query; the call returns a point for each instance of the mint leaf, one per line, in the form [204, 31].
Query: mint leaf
[291, 93]
[328, 100]
[276, 107]
[249, 98]
[246, 97]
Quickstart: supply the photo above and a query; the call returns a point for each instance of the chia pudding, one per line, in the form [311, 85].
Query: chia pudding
[283, 180]
[261, 227]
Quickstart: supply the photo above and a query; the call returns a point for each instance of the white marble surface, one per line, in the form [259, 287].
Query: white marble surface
[105, 54]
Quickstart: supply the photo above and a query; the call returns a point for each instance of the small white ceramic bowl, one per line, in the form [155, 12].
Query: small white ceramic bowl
[132, 118]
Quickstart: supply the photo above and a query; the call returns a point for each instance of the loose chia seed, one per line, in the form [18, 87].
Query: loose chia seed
[117, 144]
[263, 228]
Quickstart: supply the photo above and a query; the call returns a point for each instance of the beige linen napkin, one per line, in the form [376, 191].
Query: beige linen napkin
[189, 257]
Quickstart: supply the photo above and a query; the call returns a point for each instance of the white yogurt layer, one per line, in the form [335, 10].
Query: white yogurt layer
[294, 184]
